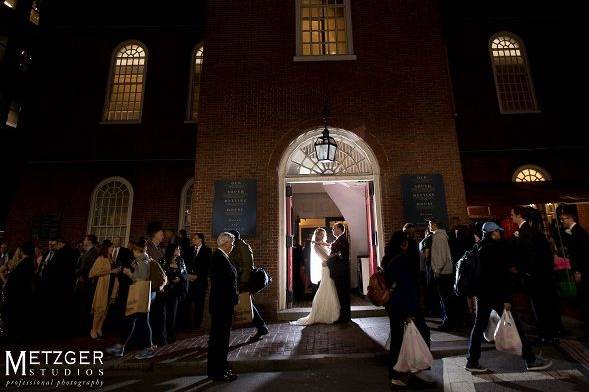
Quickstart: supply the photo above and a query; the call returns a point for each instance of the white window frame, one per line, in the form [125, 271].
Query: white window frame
[537, 168]
[337, 57]
[181, 218]
[189, 118]
[129, 206]
[524, 55]
[109, 85]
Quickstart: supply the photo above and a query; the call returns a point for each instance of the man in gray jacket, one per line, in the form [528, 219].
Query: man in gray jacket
[443, 269]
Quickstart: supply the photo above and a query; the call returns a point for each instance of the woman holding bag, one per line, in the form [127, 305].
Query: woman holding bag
[101, 269]
[404, 302]
[139, 273]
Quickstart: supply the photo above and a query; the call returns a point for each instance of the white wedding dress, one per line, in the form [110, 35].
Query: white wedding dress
[326, 307]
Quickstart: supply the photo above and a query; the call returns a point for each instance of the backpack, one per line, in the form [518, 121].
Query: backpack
[157, 276]
[467, 272]
[378, 290]
[259, 280]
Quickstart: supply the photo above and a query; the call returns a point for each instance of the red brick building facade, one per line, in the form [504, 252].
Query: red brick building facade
[257, 98]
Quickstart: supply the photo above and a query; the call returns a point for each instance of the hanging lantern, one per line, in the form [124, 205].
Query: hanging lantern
[325, 147]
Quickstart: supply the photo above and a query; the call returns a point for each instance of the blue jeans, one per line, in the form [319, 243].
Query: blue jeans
[484, 308]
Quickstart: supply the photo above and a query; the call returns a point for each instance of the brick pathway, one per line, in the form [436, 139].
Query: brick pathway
[285, 341]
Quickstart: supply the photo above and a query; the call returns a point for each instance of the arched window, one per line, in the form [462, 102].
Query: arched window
[349, 158]
[515, 91]
[124, 101]
[196, 68]
[110, 209]
[530, 173]
[186, 205]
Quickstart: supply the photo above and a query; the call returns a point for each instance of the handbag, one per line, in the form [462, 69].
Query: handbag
[506, 336]
[259, 280]
[378, 291]
[243, 312]
[414, 355]
[139, 298]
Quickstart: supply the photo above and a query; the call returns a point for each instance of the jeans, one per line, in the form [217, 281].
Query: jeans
[258, 321]
[483, 312]
[141, 320]
[445, 285]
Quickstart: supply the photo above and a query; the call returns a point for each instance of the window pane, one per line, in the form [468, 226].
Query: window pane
[110, 211]
[126, 90]
[323, 23]
[512, 77]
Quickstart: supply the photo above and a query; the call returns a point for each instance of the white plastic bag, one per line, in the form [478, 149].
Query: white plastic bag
[506, 336]
[489, 333]
[414, 355]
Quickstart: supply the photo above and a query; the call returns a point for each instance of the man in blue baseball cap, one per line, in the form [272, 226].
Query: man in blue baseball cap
[493, 293]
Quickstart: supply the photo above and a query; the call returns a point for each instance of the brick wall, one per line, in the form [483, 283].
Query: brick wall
[255, 100]
[66, 190]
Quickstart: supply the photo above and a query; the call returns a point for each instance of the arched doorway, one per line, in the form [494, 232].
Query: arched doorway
[355, 166]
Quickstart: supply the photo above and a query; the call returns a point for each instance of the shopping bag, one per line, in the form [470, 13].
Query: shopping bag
[489, 333]
[243, 312]
[414, 355]
[139, 298]
[506, 336]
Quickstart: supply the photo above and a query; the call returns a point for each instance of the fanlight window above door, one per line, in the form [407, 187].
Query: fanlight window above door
[350, 159]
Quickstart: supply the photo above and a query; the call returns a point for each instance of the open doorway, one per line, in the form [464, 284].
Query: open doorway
[320, 204]
[354, 172]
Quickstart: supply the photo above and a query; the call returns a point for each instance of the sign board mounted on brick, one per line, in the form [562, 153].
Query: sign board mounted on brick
[235, 207]
[424, 198]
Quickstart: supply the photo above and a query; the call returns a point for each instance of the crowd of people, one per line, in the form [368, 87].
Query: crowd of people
[84, 288]
[421, 274]
[81, 289]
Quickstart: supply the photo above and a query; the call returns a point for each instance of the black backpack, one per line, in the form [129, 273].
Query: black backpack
[259, 280]
[467, 272]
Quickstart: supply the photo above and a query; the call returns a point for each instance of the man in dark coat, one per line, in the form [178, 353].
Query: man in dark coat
[492, 292]
[535, 263]
[577, 241]
[224, 296]
[84, 286]
[242, 258]
[198, 265]
[339, 270]
[60, 276]
[123, 258]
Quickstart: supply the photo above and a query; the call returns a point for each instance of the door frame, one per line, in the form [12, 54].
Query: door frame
[283, 179]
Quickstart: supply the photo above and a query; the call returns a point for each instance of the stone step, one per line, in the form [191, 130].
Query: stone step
[358, 311]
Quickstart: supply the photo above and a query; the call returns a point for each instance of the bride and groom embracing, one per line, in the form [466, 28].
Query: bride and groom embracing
[330, 265]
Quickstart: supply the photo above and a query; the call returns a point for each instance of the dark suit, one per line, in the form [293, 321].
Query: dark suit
[535, 261]
[224, 296]
[578, 246]
[60, 277]
[124, 259]
[85, 288]
[199, 265]
[339, 270]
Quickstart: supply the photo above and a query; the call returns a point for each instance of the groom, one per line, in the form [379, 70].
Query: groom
[339, 270]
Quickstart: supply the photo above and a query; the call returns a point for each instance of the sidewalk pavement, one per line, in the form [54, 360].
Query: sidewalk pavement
[290, 347]
[286, 347]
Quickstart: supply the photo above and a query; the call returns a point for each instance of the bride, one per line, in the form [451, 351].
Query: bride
[326, 306]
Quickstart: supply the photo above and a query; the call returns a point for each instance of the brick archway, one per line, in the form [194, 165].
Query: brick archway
[368, 171]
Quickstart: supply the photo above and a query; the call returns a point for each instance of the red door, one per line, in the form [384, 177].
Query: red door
[370, 226]
[289, 244]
